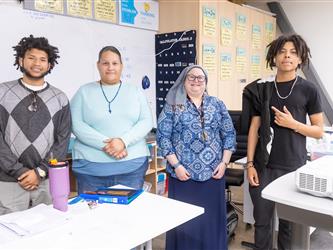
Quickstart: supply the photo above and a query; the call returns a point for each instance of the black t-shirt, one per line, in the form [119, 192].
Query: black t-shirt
[288, 149]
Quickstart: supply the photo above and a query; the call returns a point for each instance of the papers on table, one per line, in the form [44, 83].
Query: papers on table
[32, 221]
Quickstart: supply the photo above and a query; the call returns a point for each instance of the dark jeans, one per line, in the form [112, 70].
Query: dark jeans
[134, 179]
[263, 211]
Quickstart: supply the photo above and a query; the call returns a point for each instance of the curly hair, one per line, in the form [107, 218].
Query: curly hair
[40, 43]
[301, 47]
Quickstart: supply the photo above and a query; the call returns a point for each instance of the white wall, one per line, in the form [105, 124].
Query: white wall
[79, 41]
[313, 20]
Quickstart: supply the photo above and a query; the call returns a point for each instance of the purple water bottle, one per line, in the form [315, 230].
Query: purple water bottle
[59, 184]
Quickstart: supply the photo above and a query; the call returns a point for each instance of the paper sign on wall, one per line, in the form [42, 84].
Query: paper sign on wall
[240, 60]
[255, 66]
[209, 57]
[226, 69]
[209, 21]
[226, 32]
[53, 6]
[140, 14]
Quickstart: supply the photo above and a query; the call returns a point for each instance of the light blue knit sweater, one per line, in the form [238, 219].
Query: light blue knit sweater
[130, 120]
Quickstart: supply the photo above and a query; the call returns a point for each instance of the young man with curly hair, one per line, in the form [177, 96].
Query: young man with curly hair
[34, 124]
[278, 109]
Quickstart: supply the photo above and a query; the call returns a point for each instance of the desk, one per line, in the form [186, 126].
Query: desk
[303, 209]
[113, 226]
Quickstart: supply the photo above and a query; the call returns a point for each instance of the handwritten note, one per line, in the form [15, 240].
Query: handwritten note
[54, 6]
[226, 69]
[209, 21]
[105, 10]
[209, 57]
[226, 32]
[241, 27]
[80, 8]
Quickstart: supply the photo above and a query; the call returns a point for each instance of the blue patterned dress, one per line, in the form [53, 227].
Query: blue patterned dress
[198, 137]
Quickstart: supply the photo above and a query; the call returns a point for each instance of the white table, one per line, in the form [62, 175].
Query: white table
[113, 226]
[303, 209]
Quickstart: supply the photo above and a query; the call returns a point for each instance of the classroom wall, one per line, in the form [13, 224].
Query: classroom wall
[228, 46]
[79, 41]
[313, 20]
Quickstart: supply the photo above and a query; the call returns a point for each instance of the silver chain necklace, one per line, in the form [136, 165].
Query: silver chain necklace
[291, 90]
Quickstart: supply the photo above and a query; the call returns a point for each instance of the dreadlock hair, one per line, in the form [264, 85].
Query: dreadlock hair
[40, 43]
[275, 46]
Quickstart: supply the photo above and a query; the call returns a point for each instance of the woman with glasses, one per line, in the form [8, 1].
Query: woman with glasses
[110, 121]
[196, 135]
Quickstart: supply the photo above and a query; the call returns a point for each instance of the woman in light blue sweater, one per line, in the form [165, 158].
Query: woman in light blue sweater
[110, 120]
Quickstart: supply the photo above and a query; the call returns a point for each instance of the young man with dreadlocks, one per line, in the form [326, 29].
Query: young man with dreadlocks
[277, 109]
[34, 125]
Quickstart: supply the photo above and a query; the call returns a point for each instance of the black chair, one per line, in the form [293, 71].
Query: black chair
[235, 176]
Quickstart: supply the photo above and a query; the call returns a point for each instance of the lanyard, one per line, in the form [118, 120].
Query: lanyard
[204, 134]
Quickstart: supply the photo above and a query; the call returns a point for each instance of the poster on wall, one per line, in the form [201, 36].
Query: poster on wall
[226, 67]
[241, 27]
[174, 52]
[255, 66]
[241, 60]
[105, 10]
[226, 32]
[269, 32]
[80, 8]
[209, 57]
[53, 6]
[139, 14]
[209, 22]
[256, 37]
[96, 10]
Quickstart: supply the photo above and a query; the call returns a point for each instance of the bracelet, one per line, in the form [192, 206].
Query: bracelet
[249, 164]
[176, 165]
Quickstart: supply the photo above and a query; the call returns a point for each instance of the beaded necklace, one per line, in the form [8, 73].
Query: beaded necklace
[107, 100]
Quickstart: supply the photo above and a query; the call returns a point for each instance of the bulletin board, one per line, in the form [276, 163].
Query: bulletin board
[174, 52]
[79, 41]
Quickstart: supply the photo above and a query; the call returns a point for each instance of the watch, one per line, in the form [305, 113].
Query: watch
[176, 165]
[41, 173]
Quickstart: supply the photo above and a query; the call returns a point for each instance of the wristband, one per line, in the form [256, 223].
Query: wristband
[176, 165]
[249, 164]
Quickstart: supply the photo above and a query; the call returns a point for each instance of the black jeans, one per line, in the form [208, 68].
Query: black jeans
[263, 211]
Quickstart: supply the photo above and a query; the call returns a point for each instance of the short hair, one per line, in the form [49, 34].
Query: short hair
[109, 48]
[275, 46]
[40, 43]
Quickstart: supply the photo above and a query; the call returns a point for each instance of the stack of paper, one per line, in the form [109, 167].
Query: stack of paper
[35, 220]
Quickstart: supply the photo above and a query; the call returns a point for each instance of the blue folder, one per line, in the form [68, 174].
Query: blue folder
[112, 195]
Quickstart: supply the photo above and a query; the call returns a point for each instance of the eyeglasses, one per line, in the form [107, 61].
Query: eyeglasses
[33, 106]
[192, 78]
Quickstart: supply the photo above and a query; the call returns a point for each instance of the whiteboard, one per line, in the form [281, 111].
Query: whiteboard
[79, 41]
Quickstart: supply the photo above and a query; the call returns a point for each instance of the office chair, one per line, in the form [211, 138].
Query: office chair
[235, 176]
